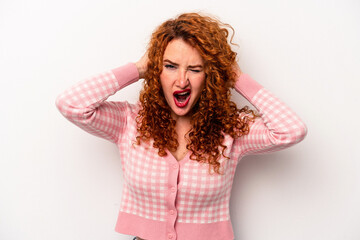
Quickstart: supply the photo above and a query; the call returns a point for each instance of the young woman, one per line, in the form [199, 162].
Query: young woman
[181, 143]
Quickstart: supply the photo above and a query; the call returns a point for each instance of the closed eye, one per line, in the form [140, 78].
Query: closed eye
[195, 70]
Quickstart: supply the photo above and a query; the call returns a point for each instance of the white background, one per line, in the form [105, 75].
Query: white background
[58, 182]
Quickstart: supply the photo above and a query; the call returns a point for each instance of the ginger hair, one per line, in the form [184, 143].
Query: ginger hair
[214, 114]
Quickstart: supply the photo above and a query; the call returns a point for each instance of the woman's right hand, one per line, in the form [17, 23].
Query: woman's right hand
[142, 65]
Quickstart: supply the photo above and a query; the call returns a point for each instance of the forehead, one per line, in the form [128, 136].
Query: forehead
[180, 51]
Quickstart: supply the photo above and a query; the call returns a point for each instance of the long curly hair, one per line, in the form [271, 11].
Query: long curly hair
[214, 113]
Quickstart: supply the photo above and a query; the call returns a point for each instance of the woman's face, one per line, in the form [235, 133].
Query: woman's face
[182, 77]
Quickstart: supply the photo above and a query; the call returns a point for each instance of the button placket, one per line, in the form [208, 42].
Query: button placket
[171, 199]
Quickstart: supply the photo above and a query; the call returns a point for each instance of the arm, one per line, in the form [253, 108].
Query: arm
[85, 103]
[277, 128]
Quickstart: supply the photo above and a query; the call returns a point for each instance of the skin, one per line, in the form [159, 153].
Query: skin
[183, 68]
[180, 77]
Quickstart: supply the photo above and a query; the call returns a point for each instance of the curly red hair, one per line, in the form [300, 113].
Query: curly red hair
[214, 113]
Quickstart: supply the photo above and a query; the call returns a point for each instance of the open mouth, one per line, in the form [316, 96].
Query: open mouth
[182, 98]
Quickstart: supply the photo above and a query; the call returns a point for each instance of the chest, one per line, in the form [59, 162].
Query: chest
[181, 151]
[182, 129]
[152, 175]
[163, 183]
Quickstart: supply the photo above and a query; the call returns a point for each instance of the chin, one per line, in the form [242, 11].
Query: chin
[181, 112]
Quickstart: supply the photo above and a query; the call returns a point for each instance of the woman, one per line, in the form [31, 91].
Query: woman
[181, 143]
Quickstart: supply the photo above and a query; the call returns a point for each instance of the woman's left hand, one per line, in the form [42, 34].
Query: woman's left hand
[237, 70]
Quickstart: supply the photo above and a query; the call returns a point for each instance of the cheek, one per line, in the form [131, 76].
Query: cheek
[167, 80]
[165, 84]
[162, 80]
[199, 83]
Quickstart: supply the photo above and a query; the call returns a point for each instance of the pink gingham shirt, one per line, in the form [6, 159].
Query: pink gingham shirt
[164, 198]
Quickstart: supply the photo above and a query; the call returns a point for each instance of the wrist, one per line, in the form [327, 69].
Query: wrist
[247, 86]
[140, 69]
[126, 74]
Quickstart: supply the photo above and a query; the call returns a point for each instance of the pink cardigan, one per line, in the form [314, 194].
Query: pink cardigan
[164, 198]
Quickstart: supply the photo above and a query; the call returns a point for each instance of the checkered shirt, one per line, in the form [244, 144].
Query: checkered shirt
[164, 198]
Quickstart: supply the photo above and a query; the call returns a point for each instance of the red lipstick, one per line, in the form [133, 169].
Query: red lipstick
[182, 97]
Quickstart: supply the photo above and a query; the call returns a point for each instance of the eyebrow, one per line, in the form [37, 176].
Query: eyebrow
[190, 66]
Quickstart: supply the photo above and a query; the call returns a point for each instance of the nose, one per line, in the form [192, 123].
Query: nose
[183, 79]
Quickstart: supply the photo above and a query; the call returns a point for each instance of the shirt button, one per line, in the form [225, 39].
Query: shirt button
[170, 236]
[173, 189]
[172, 212]
[175, 166]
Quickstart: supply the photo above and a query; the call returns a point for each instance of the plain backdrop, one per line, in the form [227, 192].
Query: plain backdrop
[59, 182]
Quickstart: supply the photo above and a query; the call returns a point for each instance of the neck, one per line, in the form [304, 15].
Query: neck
[183, 124]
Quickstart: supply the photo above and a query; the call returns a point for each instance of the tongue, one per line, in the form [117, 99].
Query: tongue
[182, 98]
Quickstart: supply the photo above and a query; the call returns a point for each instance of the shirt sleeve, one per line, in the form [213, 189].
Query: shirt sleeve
[85, 105]
[278, 127]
